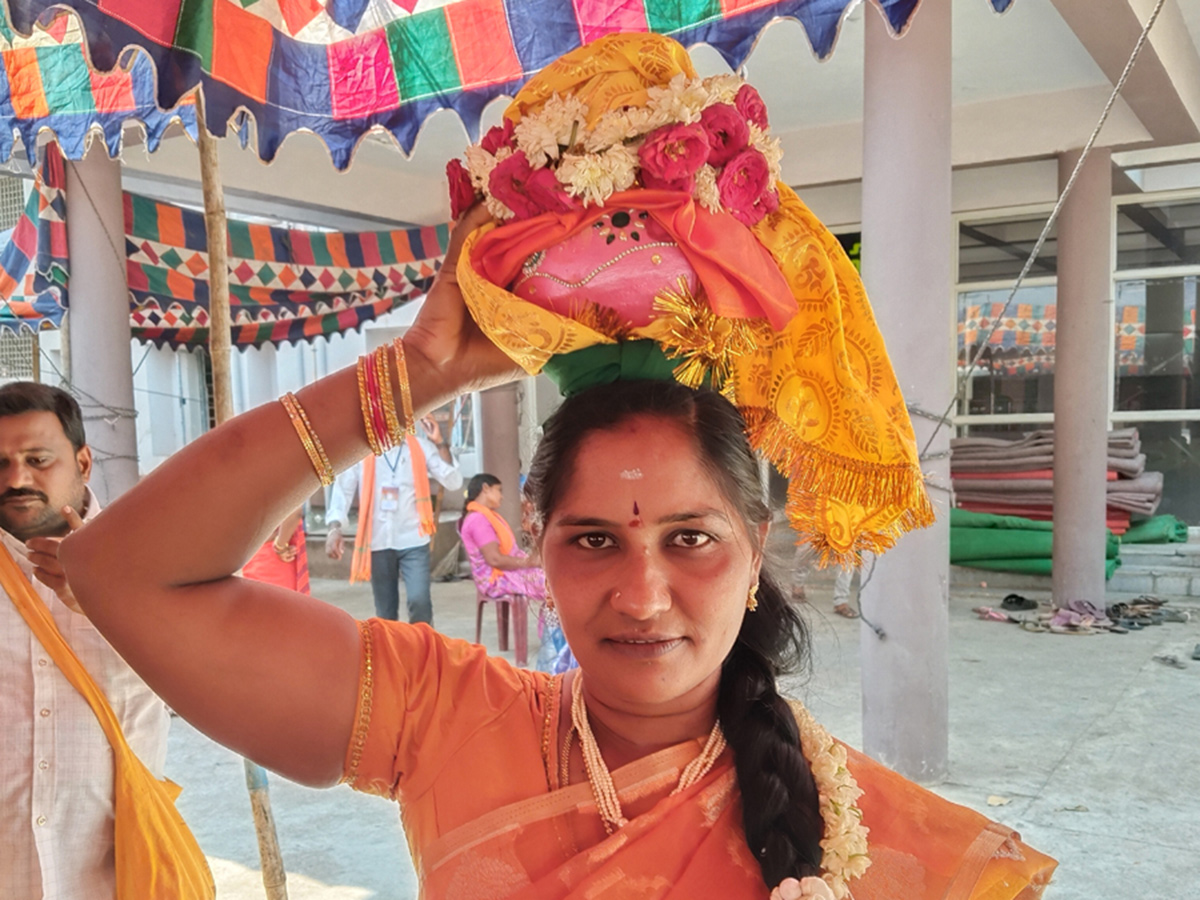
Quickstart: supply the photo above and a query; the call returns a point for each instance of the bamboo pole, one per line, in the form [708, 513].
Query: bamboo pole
[219, 322]
[220, 351]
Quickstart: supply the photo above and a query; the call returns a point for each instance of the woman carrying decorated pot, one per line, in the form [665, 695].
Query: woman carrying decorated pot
[644, 254]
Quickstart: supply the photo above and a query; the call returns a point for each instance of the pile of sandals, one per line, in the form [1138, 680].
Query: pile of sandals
[1085, 617]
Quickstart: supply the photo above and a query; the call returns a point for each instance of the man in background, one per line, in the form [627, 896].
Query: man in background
[56, 764]
[395, 520]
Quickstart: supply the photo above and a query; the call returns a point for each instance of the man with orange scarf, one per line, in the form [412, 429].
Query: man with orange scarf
[395, 520]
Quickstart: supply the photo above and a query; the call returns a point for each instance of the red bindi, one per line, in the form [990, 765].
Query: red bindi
[636, 521]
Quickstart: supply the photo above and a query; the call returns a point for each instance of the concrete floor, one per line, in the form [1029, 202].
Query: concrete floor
[1090, 745]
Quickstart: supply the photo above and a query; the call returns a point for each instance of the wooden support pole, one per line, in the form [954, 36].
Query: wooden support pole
[220, 349]
[219, 321]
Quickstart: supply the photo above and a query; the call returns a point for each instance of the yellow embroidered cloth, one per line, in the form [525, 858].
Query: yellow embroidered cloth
[818, 395]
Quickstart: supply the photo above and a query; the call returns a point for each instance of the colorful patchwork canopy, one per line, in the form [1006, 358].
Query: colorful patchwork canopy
[46, 83]
[342, 67]
[286, 285]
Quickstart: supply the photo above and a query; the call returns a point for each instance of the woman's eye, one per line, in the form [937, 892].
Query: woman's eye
[690, 539]
[595, 541]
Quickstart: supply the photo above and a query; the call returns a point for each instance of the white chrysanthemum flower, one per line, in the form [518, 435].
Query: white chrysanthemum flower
[597, 176]
[496, 208]
[723, 88]
[586, 176]
[770, 147]
[563, 116]
[537, 140]
[682, 100]
[614, 127]
[621, 161]
[541, 134]
[479, 164]
[641, 120]
[707, 194]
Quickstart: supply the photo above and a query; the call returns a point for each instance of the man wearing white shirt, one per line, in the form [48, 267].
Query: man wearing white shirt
[56, 765]
[398, 538]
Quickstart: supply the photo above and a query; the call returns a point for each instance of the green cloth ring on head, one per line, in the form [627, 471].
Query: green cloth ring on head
[606, 363]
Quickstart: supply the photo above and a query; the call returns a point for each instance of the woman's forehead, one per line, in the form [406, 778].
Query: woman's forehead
[635, 455]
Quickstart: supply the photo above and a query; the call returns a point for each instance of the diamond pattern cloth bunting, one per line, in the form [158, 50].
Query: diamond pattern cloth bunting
[286, 285]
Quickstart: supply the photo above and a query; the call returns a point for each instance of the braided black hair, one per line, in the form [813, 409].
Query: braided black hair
[780, 812]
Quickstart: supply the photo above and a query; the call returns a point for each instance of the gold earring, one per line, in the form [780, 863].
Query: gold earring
[752, 599]
[549, 599]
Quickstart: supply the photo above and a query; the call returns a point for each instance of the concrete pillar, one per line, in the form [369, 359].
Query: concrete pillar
[101, 365]
[260, 375]
[499, 416]
[907, 266]
[1081, 387]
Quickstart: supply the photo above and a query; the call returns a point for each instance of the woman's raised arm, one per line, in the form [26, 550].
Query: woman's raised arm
[267, 672]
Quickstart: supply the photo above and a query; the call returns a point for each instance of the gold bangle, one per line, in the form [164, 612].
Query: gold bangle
[395, 431]
[308, 437]
[405, 389]
[364, 399]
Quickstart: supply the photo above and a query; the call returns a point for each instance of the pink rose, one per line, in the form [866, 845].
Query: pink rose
[766, 204]
[742, 183]
[462, 192]
[498, 136]
[750, 105]
[509, 183]
[547, 192]
[671, 156]
[727, 132]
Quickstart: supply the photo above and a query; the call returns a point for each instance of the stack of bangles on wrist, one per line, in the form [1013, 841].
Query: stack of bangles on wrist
[383, 425]
[308, 437]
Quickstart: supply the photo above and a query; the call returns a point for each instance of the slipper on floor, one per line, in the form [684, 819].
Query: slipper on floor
[846, 611]
[1169, 660]
[1196, 652]
[1072, 629]
[1176, 615]
[1018, 603]
[1036, 627]
[991, 615]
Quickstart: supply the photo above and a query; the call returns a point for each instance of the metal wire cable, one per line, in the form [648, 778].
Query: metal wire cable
[964, 379]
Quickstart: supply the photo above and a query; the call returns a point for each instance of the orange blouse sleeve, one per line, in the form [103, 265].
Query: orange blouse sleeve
[421, 697]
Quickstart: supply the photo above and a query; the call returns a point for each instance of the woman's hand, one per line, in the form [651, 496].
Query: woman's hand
[810, 888]
[445, 336]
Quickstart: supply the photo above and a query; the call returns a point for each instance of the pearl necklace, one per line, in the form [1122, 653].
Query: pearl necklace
[608, 804]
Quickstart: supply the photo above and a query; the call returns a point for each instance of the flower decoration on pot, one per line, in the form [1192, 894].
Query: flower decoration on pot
[706, 137]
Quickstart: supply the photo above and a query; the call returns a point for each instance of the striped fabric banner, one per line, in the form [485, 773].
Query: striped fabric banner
[33, 255]
[286, 285]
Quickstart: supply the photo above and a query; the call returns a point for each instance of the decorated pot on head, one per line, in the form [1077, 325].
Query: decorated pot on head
[642, 231]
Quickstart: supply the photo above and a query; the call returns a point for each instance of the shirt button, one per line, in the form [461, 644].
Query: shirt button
[41, 820]
[43, 662]
[44, 713]
[43, 765]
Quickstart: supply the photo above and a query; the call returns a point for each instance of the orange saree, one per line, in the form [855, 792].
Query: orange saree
[468, 746]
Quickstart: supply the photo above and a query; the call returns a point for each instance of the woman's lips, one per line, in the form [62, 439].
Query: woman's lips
[646, 646]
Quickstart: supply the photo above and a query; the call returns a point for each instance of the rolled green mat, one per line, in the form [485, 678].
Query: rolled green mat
[1005, 543]
[964, 518]
[1157, 530]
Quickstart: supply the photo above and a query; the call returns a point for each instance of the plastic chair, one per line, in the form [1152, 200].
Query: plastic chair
[520, 607]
